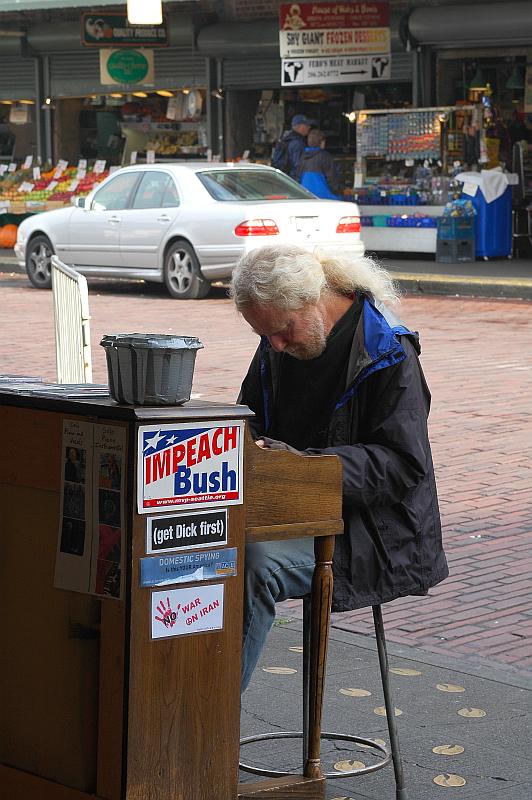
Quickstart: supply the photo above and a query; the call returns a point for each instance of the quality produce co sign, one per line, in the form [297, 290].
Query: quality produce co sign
[190, 464]
[333, 29]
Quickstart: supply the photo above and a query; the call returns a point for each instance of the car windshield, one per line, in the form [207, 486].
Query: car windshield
[251, 184]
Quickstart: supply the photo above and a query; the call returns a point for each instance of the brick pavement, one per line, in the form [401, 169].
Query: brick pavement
[478, 362]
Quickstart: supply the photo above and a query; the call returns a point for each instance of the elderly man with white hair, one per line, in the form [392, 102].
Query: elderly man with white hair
[337, 373]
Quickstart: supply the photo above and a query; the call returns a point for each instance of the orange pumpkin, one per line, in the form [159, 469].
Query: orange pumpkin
[8, 236]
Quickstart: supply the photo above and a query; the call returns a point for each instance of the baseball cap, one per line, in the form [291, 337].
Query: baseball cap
[301, 119]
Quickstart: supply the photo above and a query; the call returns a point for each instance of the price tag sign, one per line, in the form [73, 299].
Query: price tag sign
[150, 156]
[73, 186]
[133, 157]
[82, 164]
[81, 173]
[12, 167]
[25, 186]
[409, 162]
[99, 167]
[3, 168]
[28, 161]
[62, 164]
[58, 172]
[52, 185]
[245, 155]
[36, 173]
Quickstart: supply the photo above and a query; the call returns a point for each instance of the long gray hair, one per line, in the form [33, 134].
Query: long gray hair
[290, 277]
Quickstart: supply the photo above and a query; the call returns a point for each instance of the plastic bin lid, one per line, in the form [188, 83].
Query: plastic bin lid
[152, 341]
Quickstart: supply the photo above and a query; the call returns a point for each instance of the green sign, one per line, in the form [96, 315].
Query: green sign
[114, 30]
[127, 66]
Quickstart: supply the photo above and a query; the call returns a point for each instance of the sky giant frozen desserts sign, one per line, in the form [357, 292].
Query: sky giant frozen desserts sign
[189, 464]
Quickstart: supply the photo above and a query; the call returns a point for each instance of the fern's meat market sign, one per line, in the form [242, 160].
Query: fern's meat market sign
[307, 30]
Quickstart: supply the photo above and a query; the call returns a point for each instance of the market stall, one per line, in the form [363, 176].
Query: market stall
[405, 168]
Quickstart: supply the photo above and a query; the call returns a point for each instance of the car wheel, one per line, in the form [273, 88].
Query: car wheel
[39, 262]
[182, 274]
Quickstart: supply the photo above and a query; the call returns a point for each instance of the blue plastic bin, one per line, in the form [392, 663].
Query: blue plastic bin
[493, 224]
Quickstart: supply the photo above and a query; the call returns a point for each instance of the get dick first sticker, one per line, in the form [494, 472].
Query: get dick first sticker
[189, 464]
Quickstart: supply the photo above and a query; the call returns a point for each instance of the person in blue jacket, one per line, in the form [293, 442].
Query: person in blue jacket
[289, 149]
[337, 373]
[317, 171]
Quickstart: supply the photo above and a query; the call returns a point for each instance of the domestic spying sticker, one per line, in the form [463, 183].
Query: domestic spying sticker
[189, 464]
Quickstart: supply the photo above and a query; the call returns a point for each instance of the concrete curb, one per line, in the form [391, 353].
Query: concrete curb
[467, 285]
[418, 283]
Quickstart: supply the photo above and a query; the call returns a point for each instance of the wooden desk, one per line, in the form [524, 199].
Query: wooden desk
[92, 706]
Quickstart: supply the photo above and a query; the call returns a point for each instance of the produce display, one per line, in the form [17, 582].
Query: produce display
[57, 185]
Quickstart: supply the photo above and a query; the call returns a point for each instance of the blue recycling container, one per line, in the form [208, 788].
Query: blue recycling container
[493, 224]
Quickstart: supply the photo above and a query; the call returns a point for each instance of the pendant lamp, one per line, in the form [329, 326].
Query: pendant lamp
[145, 12]
[516, 79]
[479, 81]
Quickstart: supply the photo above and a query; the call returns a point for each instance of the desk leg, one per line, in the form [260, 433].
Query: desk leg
[322, 586]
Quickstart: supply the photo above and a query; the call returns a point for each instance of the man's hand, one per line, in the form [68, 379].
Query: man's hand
[274, 444]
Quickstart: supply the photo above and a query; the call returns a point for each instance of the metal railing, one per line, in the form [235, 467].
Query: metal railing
[71, 322]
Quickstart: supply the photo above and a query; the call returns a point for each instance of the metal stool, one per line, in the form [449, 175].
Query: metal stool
[392, 755]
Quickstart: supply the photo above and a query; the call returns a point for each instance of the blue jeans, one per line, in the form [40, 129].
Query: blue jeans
[274, 571]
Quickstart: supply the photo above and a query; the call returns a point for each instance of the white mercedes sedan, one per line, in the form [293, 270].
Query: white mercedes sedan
[184, 224]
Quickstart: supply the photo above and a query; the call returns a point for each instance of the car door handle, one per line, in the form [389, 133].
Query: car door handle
[115, 219]
[163, 218]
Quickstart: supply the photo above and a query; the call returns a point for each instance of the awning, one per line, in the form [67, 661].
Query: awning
[483, 25]
[45, 5]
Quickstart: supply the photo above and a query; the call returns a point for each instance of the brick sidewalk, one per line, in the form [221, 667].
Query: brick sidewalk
[478, 362]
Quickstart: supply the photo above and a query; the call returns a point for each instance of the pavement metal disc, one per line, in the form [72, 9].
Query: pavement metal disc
[471, 712]
[405, 671]
[296, 648]
[448, 749]
[449, 687]
[381, 711]
[349, 765]
[449, 780]
[355, 692]
[279, 670]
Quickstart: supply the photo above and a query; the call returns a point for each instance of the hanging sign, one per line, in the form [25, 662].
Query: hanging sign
[114, 30]
[188, 567]
[126, 67]
[341, 69]
[175, 612]
[189, 464]
[167, 532]
[321, 29]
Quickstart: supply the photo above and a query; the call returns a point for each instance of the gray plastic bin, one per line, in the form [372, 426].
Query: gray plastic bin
[150, 369]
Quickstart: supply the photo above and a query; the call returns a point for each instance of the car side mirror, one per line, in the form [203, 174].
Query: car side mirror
[79, 202]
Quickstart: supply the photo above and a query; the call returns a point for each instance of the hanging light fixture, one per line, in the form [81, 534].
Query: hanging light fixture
[516, 79]
[164, 93]
[479, 81]
[145, 12]
[139, 94]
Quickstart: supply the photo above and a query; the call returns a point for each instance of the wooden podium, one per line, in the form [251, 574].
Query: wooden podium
[92, 705]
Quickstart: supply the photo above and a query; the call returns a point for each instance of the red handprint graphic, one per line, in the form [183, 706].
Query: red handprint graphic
[168, 617]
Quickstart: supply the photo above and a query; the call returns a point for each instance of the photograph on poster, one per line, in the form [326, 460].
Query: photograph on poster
[75, 460]
[74, 500]
[72, 537]
[109, 507]
[110, 471]
[108, 562]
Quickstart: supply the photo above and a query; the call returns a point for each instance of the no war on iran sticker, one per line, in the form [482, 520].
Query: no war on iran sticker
[175, 612]
[189, 464]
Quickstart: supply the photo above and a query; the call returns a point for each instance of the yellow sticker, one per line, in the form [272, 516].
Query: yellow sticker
[449, 780]
[448, 749]
[279, 670]
[471, 712]
[296, 649]
[348, 766]
[404, 671]
[355, 692]
[381, 711]
[449, 687]
[367, 746]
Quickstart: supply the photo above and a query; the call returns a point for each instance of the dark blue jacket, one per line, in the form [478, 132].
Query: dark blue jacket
[392, 544]
[295, 144]
[318, 173]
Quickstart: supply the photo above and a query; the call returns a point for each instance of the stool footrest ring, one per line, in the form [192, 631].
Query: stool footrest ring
[345, 737]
